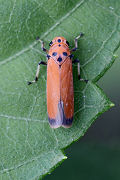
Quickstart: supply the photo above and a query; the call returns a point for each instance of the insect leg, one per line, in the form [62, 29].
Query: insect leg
[78, 64]
[42, 45]
[76, 42]
[37, 72]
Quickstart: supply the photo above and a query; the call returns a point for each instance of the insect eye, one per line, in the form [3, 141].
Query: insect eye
[64, 53]
[54, 54]
[50, 43]
[67, 43]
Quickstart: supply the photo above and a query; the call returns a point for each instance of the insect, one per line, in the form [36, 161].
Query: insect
[60, 92]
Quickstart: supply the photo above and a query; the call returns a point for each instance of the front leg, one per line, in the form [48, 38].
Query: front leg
[78, 64]
[42, 45]
[37, 72]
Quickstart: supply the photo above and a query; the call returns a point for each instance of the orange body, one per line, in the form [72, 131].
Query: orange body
[60, 95]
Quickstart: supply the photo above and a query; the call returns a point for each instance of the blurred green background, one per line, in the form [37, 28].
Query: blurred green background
[96, 156]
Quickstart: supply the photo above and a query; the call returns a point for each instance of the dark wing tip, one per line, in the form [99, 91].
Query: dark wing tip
[54, 123]
[67, 123]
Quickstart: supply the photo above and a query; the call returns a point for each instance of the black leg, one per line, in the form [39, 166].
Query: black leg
[78, 64]
[76, 42]
[42, 45]
[37, 72]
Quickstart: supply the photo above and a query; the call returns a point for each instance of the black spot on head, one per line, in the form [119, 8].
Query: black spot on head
[54, 54]
[59, 59]
[65, 53]
[50, 43]
[59, 45]
[59, 40]
[67, 43]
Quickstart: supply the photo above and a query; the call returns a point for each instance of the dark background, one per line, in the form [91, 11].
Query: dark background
[96, 156]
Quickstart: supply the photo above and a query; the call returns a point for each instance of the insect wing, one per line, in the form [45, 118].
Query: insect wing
[67, 92]
[53, 94]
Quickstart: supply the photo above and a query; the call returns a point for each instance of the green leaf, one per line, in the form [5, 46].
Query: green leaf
[29, 148]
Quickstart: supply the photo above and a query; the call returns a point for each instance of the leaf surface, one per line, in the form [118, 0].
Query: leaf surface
[29, 148]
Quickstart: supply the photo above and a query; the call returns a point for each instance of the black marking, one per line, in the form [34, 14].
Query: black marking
[29, 83]
[59, 59]
[44, 49]
[67, 122]
[59, 66]
[48, 56]
[50, 43]
[86, 80]
[67, 43]
[37, 38]
[74, 49]
[81, 34]
[75, 61]
[71, 56]
[54, 123]
[65, 53]
[54, 54]
[59, 40]
[36, 78]
[59, 45]
[42, 62]
[79, 76]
